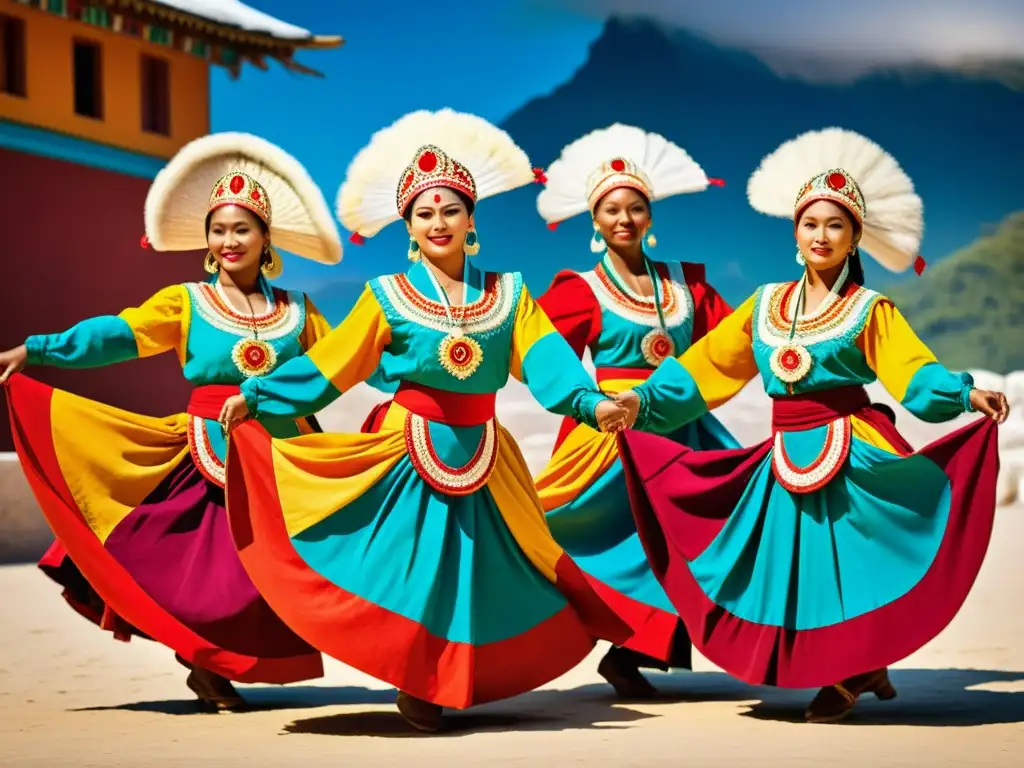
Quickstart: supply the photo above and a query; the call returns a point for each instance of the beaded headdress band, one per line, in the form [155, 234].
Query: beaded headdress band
[431, 167]
[615, 173]
[237, 188]
[837, 186]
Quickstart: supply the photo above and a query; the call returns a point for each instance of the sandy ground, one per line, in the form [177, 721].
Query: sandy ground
[70, 696]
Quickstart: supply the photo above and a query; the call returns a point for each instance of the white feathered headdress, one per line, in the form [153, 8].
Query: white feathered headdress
[612, 157]
[423, 150]
[244, 170]
[844, 167]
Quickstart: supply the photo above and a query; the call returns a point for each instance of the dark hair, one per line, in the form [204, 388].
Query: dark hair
[856, 268]
[264, 229]
[466, 201]
[856, 265]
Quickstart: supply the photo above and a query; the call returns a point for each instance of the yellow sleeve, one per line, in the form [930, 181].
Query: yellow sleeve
[708, 374]
[340, 360]
[543, 360]
[316, 326]
[909, 370]
[722, 362]
[158, 325]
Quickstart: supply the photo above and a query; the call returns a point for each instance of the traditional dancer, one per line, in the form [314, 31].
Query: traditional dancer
[419, 554]
[631, 313]
[832, 550]
[136, 502]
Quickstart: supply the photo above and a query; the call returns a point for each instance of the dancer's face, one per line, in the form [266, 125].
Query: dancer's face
[623, 217]
[236, 238]
[439, 221]
[825, 234]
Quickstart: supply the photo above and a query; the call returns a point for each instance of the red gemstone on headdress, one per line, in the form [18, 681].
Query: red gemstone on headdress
[428, 162]
[220, 190]
[618, 165]
[919, 265]
[255, 194]
[553, 226]
[836, 180]
[237, 184]
[408, 181]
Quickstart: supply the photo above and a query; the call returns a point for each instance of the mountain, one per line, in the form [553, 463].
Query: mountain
[969, 309]
[1010, 72]
[950, 132]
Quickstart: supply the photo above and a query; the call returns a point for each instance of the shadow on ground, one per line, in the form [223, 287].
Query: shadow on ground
[927, 698]
[264, 698]
[591, 707]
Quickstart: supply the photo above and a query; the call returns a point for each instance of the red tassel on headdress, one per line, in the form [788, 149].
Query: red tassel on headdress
[716, 182]
[539, 177]
[356, 239]
[144, 242]
[553, 226]
[919, 265]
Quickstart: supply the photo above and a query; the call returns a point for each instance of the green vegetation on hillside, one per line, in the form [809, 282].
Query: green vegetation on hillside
[969, 307]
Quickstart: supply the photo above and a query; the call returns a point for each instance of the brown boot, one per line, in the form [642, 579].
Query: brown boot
[421, 715]
[619, 668]
[216, 693]
[835, 702]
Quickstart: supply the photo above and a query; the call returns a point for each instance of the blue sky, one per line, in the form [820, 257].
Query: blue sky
[414, 55]
[491, 56]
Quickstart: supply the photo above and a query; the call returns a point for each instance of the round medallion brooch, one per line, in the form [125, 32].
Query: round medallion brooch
[253, 357]
[656, 346]
[791, 363]
[460, 355]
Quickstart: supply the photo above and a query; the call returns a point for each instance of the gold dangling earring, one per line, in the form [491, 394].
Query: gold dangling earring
[652, 241]
[472, 245]
[414, 249]
[272, 266]
[210, 263]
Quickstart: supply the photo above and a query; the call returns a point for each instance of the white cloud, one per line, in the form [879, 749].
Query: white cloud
[822, 39]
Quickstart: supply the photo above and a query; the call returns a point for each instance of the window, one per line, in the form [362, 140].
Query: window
[156, 96]
[88, 79]
[12, 55]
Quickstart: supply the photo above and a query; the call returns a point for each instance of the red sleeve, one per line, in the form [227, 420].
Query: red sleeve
[573, 310]
[709, 307]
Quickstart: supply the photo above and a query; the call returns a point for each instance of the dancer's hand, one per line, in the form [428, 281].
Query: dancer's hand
[992, 404]
[629, 400]
[12, 361]
[611, 416]
[234, 412]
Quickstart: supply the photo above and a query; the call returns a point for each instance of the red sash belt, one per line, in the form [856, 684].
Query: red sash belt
[456, 409]
[816, 409]
[605, 374]
[206, 401]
